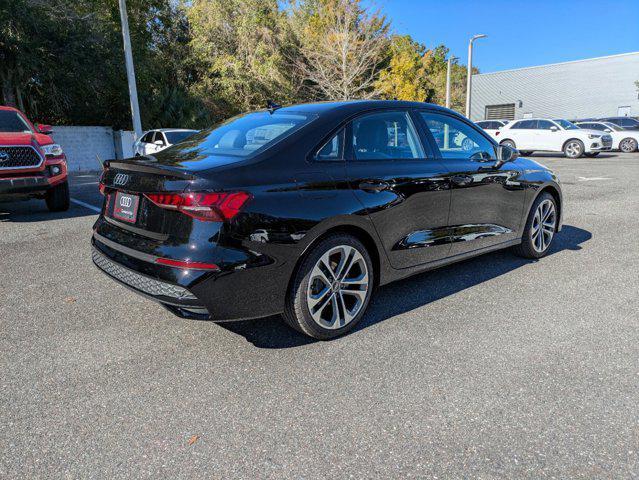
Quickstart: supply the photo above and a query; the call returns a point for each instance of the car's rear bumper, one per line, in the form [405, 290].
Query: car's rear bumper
[169, 294]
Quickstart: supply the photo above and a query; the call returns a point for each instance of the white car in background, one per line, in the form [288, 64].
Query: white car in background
[157, 140]
[491, 127]
[553, 135]
[625, 140]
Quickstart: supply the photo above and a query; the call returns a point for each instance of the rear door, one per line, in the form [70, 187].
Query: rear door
[487, 202]
[524, 134]
[403, 188]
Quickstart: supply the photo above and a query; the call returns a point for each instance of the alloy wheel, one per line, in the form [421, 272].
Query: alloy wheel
[543, 225]
[573, 149]
[337, 287]
[627, 145]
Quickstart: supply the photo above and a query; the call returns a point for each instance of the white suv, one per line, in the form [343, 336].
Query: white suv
[154, 141]
[624, 140]
[546, 135]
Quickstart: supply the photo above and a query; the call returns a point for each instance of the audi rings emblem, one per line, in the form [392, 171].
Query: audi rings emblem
[121, 179]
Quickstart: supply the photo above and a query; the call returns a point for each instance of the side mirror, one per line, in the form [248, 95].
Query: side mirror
[506, 154]
[553, 129]
[607, 130]
[159, 143]
[46, 129]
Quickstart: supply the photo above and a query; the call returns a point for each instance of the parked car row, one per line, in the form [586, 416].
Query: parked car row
[587, 138]
[154, 141]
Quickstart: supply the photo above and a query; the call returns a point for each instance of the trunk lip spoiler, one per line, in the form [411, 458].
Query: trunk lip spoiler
[154, 169]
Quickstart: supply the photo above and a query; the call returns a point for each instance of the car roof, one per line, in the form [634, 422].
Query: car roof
[6, 107]
[356, 106]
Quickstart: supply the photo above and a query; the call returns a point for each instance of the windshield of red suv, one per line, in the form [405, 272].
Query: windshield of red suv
[11, 122]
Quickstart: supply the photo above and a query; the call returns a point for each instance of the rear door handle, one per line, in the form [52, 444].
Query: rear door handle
[373, 186]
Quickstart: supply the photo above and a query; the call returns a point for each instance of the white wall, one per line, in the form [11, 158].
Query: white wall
[83, 146]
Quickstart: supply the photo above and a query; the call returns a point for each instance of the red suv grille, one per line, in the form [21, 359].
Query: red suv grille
[19, 157]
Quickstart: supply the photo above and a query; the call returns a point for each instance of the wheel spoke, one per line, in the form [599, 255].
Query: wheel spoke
[319, 298]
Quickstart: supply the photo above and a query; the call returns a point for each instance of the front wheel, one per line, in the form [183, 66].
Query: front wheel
[540, 228]
[574, 148]
[591, 154]
[331, 290]
[628, 145]
[58, 198]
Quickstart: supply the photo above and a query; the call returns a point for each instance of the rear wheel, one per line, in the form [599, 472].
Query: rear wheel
[540, 228]
[331, 289]
[591, 154]
[628, 145]
[57, 198]
[574, 148]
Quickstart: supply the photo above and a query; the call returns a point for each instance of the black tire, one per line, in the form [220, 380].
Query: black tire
[527, 249]
[297, 312]
[574, 148]
[591, 154]
[57, 198]
[628, 145]
[509, 143]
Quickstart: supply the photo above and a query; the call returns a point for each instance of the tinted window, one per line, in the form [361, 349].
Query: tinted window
[544, 125]
[332, 149]
[525, 124]
[457, 139]
[486, 124]
[177, 137]
[596, 126]
[158, 137]
[629, 122]
[147, 138]
[247, 135]
[565, 124]
[387, 135]
[12, 122]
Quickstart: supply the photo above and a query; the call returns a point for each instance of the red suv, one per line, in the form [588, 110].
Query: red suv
[31, 165]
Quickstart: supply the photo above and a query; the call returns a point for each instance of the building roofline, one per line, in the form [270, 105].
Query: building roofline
[558, 63]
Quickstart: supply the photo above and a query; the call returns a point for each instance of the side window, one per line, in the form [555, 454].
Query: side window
[544, 125]
[159, 137]
[516, 126]
[597, 126]
[385, 136]
[457, 139]
[528, 124]
[333, 149]
[147, 138]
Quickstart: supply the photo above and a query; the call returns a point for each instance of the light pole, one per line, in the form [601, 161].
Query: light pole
[130, 71]
[450, 61]
[469, 78]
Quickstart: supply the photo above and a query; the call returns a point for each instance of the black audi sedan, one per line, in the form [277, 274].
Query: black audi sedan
[305, 210]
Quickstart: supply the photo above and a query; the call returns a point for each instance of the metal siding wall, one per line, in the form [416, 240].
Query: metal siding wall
[586, 88]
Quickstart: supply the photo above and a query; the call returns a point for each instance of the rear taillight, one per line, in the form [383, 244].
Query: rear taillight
[209, 207]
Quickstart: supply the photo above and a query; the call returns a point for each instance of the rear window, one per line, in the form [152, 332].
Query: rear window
[248, 134]
[11, 122]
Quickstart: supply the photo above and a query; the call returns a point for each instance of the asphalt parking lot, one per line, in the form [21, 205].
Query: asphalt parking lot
[497, 367]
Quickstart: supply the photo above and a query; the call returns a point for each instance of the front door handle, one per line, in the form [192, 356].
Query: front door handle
[374, 186]
[461, 180]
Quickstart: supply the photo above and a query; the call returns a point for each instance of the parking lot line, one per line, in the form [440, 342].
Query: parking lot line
[86, 205]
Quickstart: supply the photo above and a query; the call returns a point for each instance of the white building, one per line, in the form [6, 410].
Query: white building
[595, 87]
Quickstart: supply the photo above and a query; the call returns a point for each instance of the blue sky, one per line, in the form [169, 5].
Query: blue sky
[520, 33]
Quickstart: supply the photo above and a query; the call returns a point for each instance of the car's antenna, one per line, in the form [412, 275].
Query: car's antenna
[272, 106]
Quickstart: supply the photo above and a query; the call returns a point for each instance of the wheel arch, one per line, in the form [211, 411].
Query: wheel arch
[356, 231]
[554, 191]
[563, 146]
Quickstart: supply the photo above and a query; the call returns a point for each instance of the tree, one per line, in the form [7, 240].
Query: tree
[342, 47]
[406, 77]
[238, 48]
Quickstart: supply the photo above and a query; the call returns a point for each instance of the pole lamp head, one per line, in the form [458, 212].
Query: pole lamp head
[475, 37]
